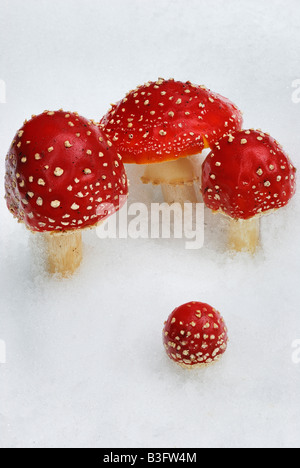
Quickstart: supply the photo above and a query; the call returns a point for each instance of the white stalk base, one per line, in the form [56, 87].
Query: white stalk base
[63, 252]
[179, 193]
[177, 180]
[244, 235]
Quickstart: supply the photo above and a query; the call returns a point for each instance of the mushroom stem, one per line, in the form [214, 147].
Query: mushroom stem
[244, 235]
[176, 179]
[63, 252]
[179, 193]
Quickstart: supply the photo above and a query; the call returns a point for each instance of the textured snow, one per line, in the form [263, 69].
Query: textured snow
[85, 362]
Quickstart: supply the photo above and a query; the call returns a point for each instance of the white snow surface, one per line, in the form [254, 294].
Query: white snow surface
[85, 362]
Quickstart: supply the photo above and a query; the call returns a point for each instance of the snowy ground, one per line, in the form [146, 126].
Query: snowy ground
[85, 362]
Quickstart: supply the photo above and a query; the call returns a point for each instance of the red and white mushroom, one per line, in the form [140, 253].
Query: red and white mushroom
[195, 335]
[161, 123]
[60, 173]
[248, 174]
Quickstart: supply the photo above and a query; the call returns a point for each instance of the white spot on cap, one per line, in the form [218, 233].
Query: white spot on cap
[58, 171]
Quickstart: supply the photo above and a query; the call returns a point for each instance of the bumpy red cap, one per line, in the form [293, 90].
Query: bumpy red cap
[60, 171]
[167, 119]
[195, 335]
[247, 174]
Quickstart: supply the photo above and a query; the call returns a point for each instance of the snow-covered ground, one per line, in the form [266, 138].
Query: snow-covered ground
[85, 365]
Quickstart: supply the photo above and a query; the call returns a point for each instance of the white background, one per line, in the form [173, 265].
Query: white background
[85, 363]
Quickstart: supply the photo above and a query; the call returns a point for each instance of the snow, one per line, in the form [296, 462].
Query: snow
[85, 362]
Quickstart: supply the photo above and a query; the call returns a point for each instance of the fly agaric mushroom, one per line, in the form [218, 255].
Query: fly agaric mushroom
[60, 169]
[247, 175]
[161, 122]
[195, 335]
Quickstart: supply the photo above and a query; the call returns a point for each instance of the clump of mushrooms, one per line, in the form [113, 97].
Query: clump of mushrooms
[248, 174]
[161, 123]
[60, 171]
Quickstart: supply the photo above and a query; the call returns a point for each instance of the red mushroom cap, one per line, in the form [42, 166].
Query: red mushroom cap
[167, 119]
[195, 335]
[60, 170]
[247, 174]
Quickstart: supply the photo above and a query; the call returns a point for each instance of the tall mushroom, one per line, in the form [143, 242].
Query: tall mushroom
[60, 171]
[161, 122]
[248, 174]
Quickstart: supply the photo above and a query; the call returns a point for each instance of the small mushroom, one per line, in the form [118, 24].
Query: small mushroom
[61, 174]
[161, 122]
[247, 175]
[195, 335]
